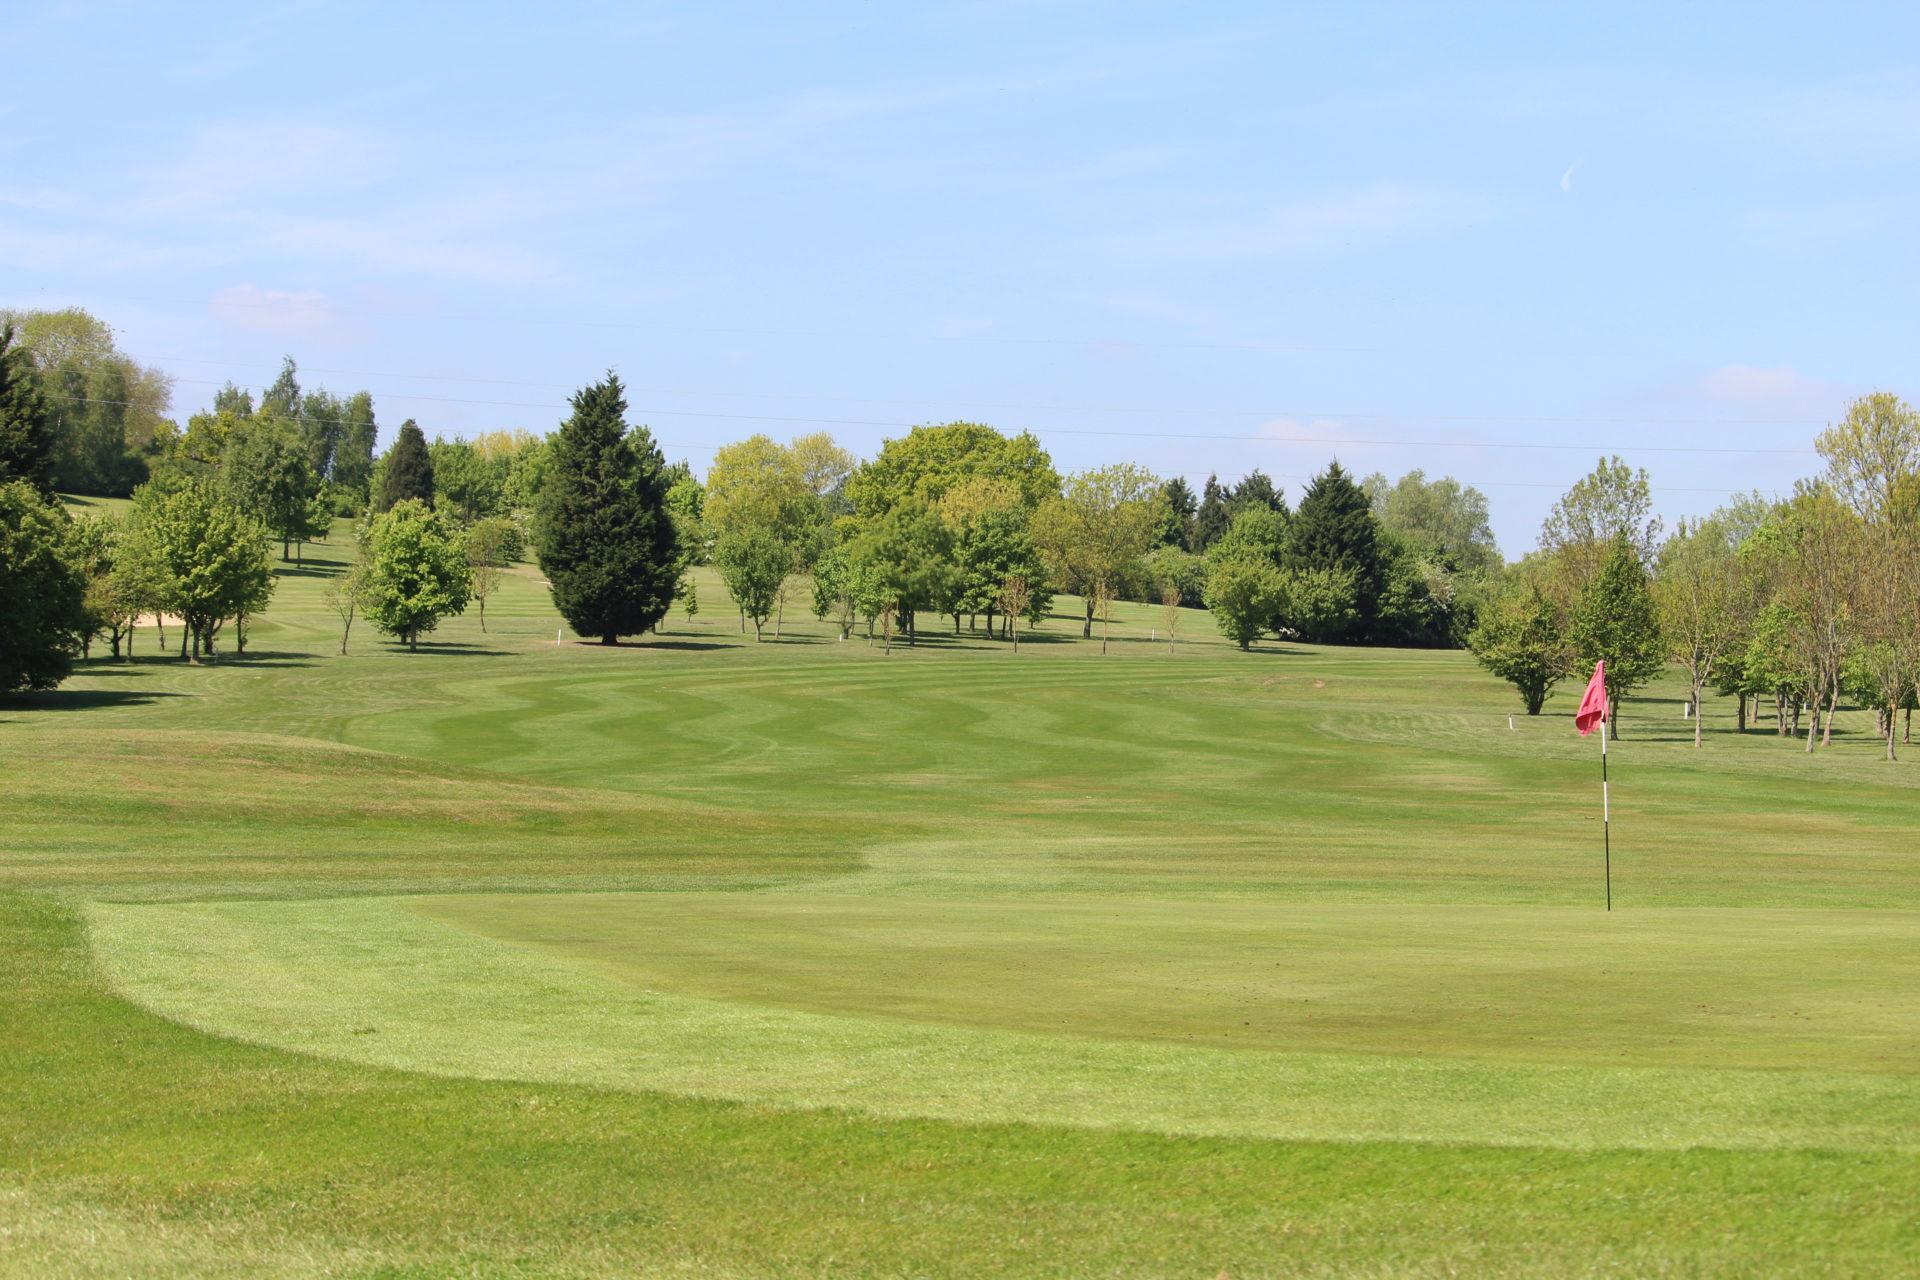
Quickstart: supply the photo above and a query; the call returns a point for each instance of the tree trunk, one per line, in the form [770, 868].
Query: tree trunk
[743, 622]
[286, 550]
[756, 629]
[483, 615]
[779, 611]
[1826, 721]
[1086, 631]
[609, 638]
[1741, 714]
[1696, 718]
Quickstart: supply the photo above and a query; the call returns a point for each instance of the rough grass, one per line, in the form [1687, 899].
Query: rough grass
[800, 959]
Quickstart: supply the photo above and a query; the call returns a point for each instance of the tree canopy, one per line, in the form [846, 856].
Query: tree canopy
[605, 539]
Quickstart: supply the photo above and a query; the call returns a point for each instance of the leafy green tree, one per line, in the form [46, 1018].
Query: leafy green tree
[264, 470]
[1445, 521]
[1704, 595]
[605, 539]
[1414, 608]
[1334, 530]
[1094, 535]
[1873, 457]
[989, 548]
[353, 455]
[107, 413]
[1884, 615]
[1245, 594]
[905, 557]
[416, 571]
[1612, 501]
[1772, 666]
[1617, 622]
[26, 422]
[467, 484]
[1318, 604]
[492, 544]
[922, 465]
[209, 557]
[754, 563]
[282, 396]
[407, 470]
[1520, 639]
[1183, 572]
[42, 592]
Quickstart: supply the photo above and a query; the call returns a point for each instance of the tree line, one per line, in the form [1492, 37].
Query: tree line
[1786, 605]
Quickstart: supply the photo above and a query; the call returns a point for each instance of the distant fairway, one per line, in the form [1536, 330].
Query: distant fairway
[702, 956]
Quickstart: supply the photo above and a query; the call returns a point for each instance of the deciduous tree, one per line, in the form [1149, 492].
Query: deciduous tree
[416, 571]
[1616, 622]
[42, 592]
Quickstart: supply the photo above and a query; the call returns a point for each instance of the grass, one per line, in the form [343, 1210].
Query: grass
[697, 956]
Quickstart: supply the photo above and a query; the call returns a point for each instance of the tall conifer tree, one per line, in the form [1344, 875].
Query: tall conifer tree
[1334, 529]
[409, 472]
[607, 544]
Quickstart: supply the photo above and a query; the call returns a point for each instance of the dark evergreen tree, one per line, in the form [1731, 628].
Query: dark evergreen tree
[1334, 529]
[1257, 490]
[409, 468]
[1211, 520]
[26, 422]
[1177, 508]
[606, 541]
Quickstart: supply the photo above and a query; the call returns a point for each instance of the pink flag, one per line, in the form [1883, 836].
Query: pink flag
[1593, 707]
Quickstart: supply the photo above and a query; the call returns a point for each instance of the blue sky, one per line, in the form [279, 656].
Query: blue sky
[1206, 238]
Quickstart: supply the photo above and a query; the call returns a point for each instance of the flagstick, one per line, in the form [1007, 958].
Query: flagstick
[1606, 815]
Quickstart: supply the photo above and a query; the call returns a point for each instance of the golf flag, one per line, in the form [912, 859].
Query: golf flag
[1593, 707]
[1593, 711]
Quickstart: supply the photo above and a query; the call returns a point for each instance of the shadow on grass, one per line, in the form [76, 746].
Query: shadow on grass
[83, 699]
[668, 642]
[449, 649]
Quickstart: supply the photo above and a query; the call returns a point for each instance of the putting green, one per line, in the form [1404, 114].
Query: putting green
[1510, 1025]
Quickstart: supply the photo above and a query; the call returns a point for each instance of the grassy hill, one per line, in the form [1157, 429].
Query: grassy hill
[704, 956]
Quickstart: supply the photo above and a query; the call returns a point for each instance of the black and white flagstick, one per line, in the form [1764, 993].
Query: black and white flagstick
[1606, 814]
